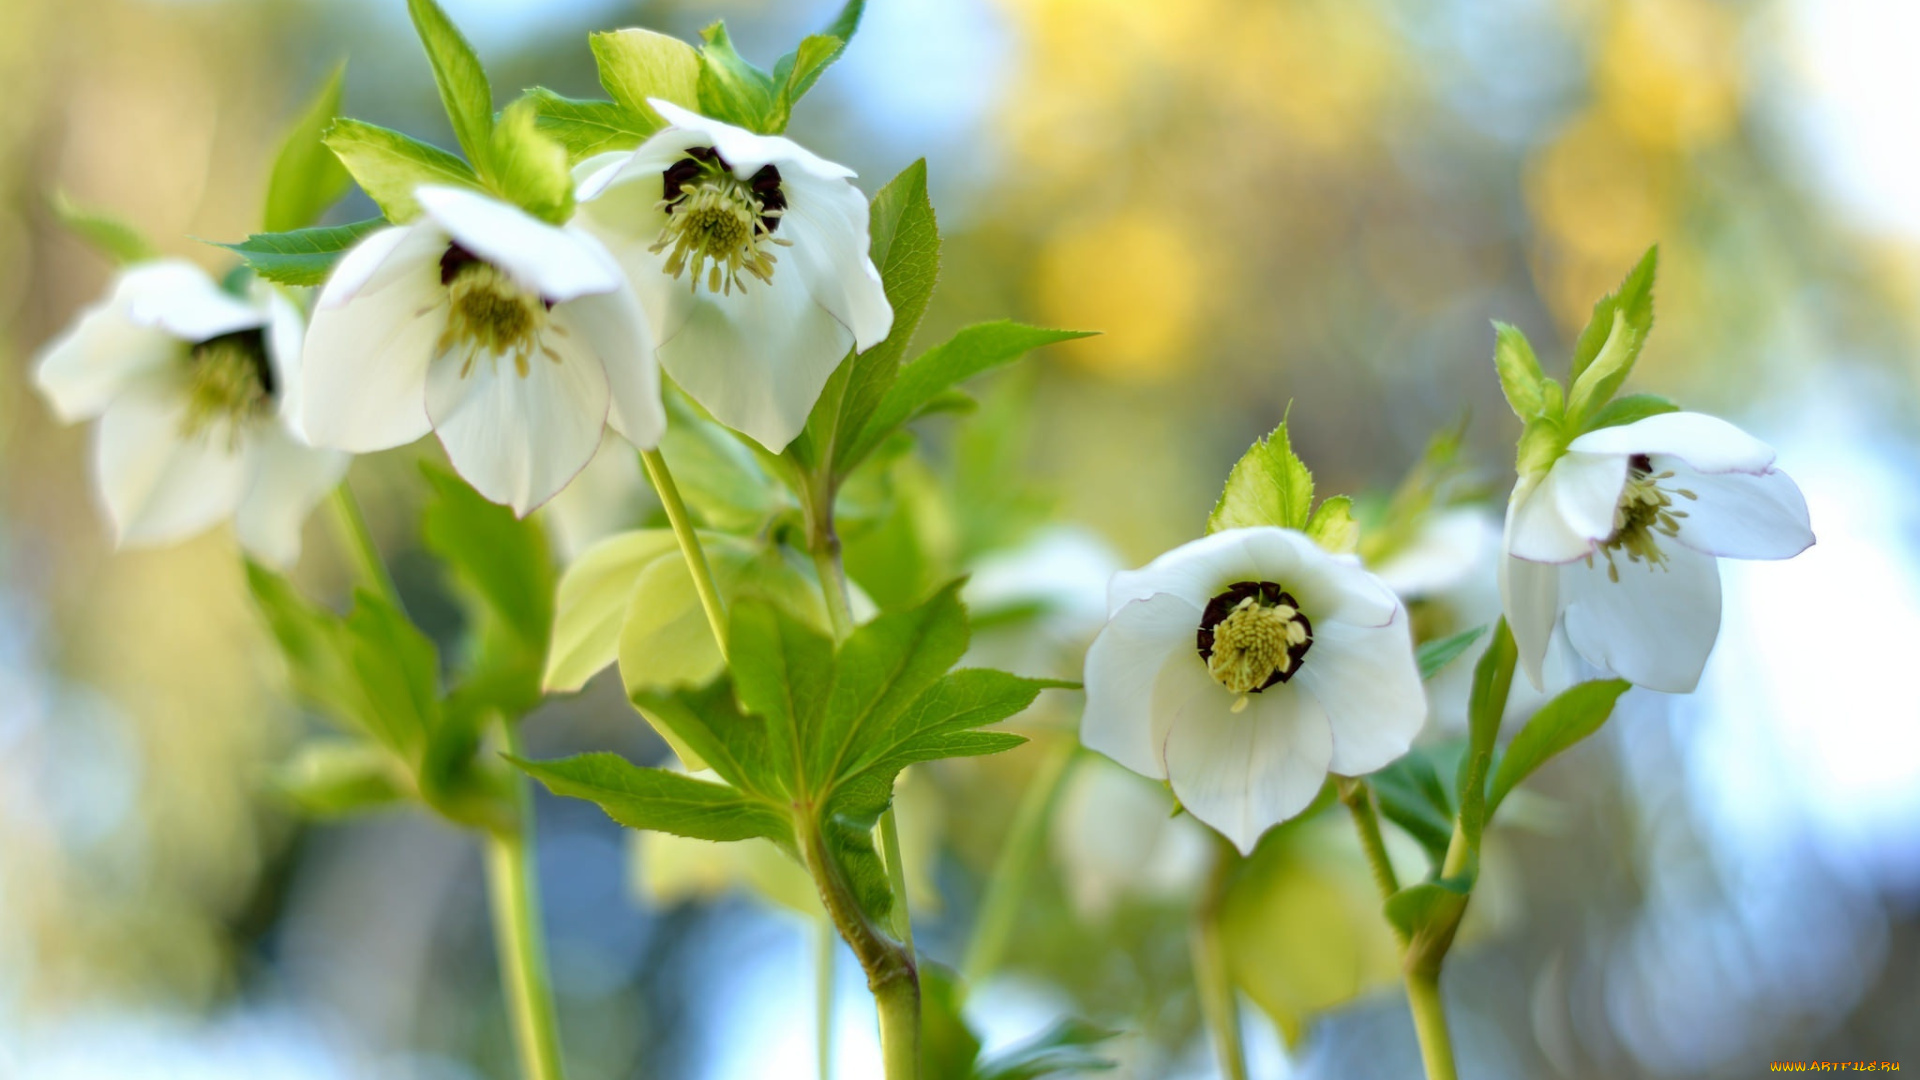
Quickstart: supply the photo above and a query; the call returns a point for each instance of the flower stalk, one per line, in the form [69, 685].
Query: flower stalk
[690, 550]
[1006, 888]
[515, 895]
[891, 972]
[356, 540]
[1211, 973]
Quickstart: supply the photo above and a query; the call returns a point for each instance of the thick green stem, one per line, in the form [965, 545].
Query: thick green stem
[1430, 1024]
[1006, 888]
[826, 940]
[515, 893]
[357, 542]
[1359, 800]
[1211, 974]
[891, 973]
[696, 557]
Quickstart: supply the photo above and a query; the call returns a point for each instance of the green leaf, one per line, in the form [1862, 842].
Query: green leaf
[639, 64]
[1577, 713]
[1428, 911]
[388, 166]
[329, 778]
[586, 128]
[1630, 409]
[710, 724]
[665, 641]
[307, 178]
[530, 167]
[1414, 796]
[671, 802]
[1520, 376]
[1606, 350]
[1269, 485]
[503, 573]
[970, 352]
[847, 22]
[301, 256]
[733, 90]
[1332, 525]
[1065, 1049]
[462, 82]
[108, 235]
[595, 592]
[796, 72]
[1486, 707]
[1434, 655]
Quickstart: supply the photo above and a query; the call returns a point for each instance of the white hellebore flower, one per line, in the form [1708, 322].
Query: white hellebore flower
[515, 341]
[750, 256]
[1619, 538]
[1246, 666]
[192, 386]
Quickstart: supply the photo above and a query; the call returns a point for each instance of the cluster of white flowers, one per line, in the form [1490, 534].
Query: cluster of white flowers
[739, 260]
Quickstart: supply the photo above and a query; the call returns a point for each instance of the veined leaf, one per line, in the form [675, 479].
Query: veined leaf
[733, 90]
[388, 166]
[1434, 655]
[1577, 713]
[1606, 350]
[1269, 485]
[108, 235]
[586, 128]
[1520, 376]
[307, 178]
[1630, 409]
[645, 798]
[530, 168]
[301, 256]
[639, 64]
[1333, 527]
[1413, 795]
[460, 78]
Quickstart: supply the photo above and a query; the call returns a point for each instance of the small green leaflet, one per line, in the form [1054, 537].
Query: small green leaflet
[301, 256]
[1434, 655]
[1270, 485]
[529, 168]
[106, 234]
[307, 178]
[639, 64]
[586, 128]
[389, 165]
[1607, 349]
[1577, 713]
[460, 78]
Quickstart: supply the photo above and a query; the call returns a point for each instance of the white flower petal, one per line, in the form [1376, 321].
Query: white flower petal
[81, 370]
[1739, 515]
[635, 176]
[518, 440]
[1244, 772]
[1449, 547]
[286, 481]
[285, 340]
[1559, 518]
[557, 263]
[1708, 443]
[744, 151]
[1530, 595]
[1654, 627]
[193, 307]
[827, 222]
[1328, 587]
[1366, 679]
[1120, 719]
[160, 486]
[614, 328]
[364, 365]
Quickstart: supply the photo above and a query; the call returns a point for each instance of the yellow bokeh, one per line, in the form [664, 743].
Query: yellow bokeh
[1135, 277]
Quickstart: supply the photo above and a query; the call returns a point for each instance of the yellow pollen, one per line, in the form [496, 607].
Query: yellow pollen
[1251, 644]
[490, 315]
[717, 228]
[1645, 511]
[226, 385]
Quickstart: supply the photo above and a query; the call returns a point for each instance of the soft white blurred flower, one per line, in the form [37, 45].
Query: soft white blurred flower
[750, 256]
[1619, 539]
[514, 341]
[193, 387]
[1117, 837]
[1246, 666]
[610, 495]
[1037, 605]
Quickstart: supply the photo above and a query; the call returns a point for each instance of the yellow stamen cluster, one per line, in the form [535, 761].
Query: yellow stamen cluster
[1252, 643]
[226, 385]
[1645, 510]
[490, 315]
[718, 227]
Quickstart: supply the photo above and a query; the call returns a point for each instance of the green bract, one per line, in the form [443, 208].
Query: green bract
[108, 235]
[1270, 485]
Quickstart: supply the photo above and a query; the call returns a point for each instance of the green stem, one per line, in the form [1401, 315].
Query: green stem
[515, 894]
[1430, 1024]
[1359, 800]
[825, 940]
[891, 973]
[897, 879]
[696, 557]
[357, 542]
[1006, 888]
[1211, 974]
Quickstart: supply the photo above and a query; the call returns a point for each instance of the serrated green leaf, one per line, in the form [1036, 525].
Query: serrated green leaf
[1606, 350]
[461, 80]
[106, 234]
[671, 802]
[503, 573]
[1520, 376]
[388, 166]
[1426, 911]
[330, 778]
[639, 64]
[586, 128]
[1542, 442]
[734, 744]
[733, 90]
[795, 73]
[1068, 1048]
[881, 669]
[1630, 409]
[1572, 716]
[307, 178]
[301, 256]
[1333, 527]
[529, 168]
[1434, 655]
[974, 350]
[1413, 796]
[847, 22]
[1269, 485]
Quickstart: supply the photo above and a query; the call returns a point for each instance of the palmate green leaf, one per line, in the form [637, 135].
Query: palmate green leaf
[1572, 716]
[733, 90]
[388, 166]
[734, 744]
[1630, 409]
[671, 802]
[1606, 350]
[972, 351]
[330, 778]
[301, 256]
[458, 75]
[1435, 655]
[307, 178]
[586, 128]
[1269, 485]
[503, 573]
[106, 234]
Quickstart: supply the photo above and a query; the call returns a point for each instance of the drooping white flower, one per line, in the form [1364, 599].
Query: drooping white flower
[516, 342]
[1246, 666]
[1619, 539]
[750, 256]
[194, 390]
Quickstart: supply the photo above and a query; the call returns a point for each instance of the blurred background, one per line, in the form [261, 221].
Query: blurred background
[1261, 202]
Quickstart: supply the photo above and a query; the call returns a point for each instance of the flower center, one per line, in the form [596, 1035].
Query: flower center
[229, 381]
[1252, 636]
[719, 225]
[1645, 510]
[490, 314]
